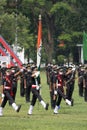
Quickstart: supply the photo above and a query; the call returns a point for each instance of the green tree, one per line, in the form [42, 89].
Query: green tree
[13, 24]
[61, 20]
[60, 59]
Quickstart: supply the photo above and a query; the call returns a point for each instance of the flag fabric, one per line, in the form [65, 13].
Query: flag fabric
[39, 43]
[84, 46]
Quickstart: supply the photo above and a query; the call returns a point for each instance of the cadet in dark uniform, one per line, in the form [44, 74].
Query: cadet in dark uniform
[35, 91]
[22, 84]
[85, 84]
[3, 70]
[53, 78]
[80, 80]
[14, 81]
[7, 91]
[28, 83]
[59, 90]
[70, 81]
[48, 70]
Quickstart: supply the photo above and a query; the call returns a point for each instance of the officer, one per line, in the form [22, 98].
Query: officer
[28, 83]
[36, 91]
[7, 91]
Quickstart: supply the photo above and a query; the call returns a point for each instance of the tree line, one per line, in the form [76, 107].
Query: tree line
[63, 23]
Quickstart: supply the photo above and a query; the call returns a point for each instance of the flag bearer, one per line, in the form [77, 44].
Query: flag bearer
[35, 91]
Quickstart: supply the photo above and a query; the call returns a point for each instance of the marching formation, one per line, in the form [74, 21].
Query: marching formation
[29, 82]
[61, 82]
[59, 78]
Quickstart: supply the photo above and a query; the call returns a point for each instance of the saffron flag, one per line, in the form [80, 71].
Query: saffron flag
[84, 46]
[39, 43]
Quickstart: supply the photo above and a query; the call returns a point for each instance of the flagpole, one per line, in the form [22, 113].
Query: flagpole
[16, 31]
[39, 42]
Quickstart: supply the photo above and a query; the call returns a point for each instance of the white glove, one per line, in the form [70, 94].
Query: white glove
[55, 92]
[37, 87]
[21, 70]
[37, 74]
[3, 95]
[58, 85]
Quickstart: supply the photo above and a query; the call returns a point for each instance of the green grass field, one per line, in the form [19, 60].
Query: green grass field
[69, 118]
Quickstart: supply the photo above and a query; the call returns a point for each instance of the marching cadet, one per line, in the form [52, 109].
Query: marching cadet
[59, 91]
[14, 81]
[48, 70]
[80, 80]
[7, 91]
[28, 83]
[85, 84]
[70, 81]
[36, 91]
[3, 70]
[22, 84]
[52, 83]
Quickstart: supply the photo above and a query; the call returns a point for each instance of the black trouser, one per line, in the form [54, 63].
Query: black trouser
[28, 90]
[22, 90]
[48, 79]
[7, 97]
[14, 89]
[80, 89]
[52, 100]
[60, 96]
[59, 100]
[69, 91]
[61, 93]
[85, 94]
[35, 96]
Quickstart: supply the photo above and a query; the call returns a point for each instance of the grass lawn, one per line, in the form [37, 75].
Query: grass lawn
[69, 118]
